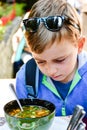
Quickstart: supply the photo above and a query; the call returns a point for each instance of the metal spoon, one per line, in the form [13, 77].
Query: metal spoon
[78, 114]
[81, 126]
[13, 90]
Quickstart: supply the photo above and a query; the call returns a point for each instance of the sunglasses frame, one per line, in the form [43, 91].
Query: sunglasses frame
[61, 20]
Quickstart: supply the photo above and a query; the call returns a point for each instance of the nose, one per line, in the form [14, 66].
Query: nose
[51, 70]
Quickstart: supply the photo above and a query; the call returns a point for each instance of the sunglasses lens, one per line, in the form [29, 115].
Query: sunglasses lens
[54, 23]
[31, 25]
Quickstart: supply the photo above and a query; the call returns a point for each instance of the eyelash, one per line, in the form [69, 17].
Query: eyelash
[40, 62]
[60, 60]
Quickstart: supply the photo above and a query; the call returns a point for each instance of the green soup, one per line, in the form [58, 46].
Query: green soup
[31, 111]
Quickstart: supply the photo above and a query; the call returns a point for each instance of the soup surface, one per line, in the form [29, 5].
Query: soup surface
[31, 111]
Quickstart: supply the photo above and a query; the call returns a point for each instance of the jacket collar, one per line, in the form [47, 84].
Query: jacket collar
[82, 63]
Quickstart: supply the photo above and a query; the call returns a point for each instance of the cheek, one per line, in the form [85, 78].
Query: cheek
[64, 68]
[69, 65]
[42, 69]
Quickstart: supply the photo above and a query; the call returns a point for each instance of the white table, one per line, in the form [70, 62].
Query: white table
[6, 95]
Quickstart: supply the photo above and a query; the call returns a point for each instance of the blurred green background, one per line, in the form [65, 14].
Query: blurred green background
[11, 14]
[20, 7]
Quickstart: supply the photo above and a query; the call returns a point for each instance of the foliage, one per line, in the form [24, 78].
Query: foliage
[20, 9]
[2, 31]
[5, 10]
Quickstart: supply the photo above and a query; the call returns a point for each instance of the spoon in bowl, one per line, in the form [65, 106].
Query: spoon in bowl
[13, 90]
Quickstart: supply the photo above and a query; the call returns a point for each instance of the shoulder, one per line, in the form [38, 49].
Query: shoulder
[31, 62]
[21, 70]
[27, 64]
[82, 59]
[27, 68]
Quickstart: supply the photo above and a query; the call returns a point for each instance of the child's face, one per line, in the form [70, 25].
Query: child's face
[59, 61]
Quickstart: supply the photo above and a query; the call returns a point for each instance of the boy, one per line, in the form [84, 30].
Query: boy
[53, 33]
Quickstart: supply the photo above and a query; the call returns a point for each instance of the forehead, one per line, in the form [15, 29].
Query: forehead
[56, 50]
[64, 44]
[61, 39]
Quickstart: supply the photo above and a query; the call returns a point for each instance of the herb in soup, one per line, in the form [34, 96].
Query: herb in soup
[30, 112]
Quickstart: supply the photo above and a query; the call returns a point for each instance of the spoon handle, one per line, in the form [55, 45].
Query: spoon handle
[13, 90]
[81, 126]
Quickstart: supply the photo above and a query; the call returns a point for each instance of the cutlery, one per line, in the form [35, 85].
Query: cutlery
[78, 120]
[13, 90]
[77, 116]
[81, 126]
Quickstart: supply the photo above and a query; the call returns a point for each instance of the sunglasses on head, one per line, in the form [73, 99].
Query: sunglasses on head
[52, 23]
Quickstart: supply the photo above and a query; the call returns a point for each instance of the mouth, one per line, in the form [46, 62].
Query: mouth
[56, 77]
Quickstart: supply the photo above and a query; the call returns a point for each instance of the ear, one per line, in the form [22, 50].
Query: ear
[81, 43]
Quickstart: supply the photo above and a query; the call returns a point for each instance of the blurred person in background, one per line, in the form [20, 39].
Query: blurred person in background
[21, 53]
[77, 4]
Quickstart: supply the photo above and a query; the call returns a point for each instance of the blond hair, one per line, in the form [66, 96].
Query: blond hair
[40, 39]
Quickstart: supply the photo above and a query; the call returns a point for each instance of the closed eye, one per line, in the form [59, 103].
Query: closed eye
[59, 61]
[40, 62]
[56, 61]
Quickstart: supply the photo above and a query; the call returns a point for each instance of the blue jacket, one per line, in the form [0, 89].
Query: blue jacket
[77, 94]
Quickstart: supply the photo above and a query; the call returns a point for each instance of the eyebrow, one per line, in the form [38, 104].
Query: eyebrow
[38, 59]
[57, 58]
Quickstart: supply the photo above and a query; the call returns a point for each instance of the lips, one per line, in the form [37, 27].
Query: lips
[55, 77]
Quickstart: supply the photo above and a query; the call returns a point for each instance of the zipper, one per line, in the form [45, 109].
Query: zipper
[63, 110]
[49, 84]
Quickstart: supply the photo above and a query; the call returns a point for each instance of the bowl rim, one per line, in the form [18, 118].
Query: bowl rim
[24, 99]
